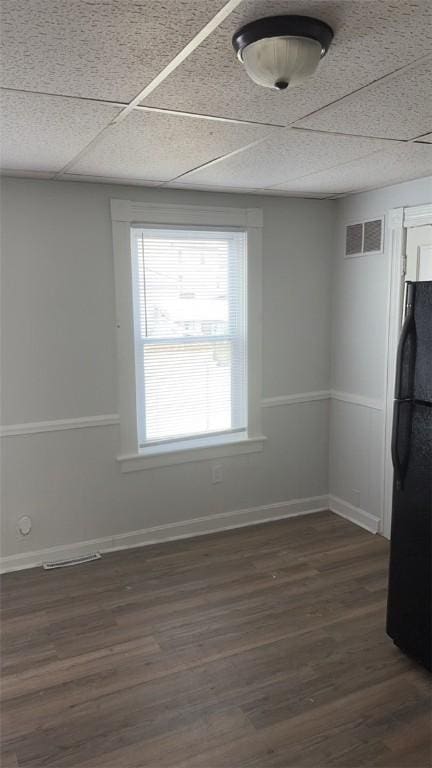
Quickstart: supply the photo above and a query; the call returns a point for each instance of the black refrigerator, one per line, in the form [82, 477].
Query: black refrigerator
[409, 596]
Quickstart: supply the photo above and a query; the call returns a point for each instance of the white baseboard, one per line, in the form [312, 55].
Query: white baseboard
[354, 514]
[171, 531]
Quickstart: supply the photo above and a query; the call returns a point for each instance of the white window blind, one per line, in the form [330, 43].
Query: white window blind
[189, 290]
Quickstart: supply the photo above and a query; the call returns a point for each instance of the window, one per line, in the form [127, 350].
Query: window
[188, 295]
[190, 333]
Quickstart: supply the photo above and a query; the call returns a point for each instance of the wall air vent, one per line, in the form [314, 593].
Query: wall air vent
[72, 561]
[354, 239]
[364, 237]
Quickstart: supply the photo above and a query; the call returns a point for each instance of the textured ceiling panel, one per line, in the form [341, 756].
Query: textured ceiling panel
[398, 107]
[103, 49]
[288, 154]
[400, 163]
[427, 138]
[44, 132]
[151, 145]
[372, 38]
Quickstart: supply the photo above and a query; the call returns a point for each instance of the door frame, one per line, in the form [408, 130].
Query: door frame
[400, 219]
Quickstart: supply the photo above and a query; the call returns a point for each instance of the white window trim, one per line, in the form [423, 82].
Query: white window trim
[127, 213]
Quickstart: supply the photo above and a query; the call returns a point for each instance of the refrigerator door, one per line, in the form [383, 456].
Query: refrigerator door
[423, 326]
[409, 600]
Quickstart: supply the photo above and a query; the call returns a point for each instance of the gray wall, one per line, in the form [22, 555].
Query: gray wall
[59, 361]
[360, 296]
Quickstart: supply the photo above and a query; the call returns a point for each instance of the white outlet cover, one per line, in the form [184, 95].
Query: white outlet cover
[24, 525]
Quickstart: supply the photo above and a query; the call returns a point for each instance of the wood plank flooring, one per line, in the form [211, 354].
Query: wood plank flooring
[262, 647]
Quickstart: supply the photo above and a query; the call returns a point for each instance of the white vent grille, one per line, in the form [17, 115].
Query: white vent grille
[364, 237]
[354, 239]
[372, 235]
[72, 561]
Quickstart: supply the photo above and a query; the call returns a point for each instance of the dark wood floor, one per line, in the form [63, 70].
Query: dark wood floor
[259, 647]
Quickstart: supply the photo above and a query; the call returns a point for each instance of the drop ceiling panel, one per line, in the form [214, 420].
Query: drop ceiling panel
[43, 133]
[372, 38]
[288, 154]
[398, 107]
[155, 146]
[400, 163]
[105, 49]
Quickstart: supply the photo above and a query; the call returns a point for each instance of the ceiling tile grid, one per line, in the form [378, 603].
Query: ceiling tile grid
[159, 147]
[288, 154]
[398, 107]
[372, 39]
[179, 184]
[352, 119]
[104, 49]
[43, 133]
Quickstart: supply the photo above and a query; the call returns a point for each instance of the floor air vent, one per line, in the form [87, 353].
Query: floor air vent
[71, 561]
[363, 238]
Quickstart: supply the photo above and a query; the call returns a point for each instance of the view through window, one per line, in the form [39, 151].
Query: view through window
[190, 332]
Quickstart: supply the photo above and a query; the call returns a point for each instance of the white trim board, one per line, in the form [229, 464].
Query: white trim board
[199, 526]
[59, 425]
[355, 515]
[364, 402]
[300, 397]
[127, 213]
[107, 420]
[417, 215]
[140, 461]
[170, 214]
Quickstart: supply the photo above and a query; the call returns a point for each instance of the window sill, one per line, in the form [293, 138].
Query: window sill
[169, 456]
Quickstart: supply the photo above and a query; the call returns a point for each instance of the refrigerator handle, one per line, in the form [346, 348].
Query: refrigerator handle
[397, 466]
[407, 328]
[400, 464]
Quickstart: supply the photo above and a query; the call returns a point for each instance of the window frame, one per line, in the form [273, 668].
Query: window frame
[126, 215]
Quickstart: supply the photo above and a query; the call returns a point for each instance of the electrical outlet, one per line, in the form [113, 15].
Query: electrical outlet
[24, 525]
[216, 473]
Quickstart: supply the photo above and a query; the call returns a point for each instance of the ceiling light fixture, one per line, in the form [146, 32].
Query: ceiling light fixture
[279, 51]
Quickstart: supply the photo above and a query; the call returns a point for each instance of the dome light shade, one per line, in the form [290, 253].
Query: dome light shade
[279, 51]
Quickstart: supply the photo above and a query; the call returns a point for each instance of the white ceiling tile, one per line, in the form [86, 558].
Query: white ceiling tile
[400, 163]
[372, 38]
[397, 107]
[159, 147]
[43, 133]
[105, 49]
[288, 154]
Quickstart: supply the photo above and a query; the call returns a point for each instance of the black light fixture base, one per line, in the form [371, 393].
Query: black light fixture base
[283, 26]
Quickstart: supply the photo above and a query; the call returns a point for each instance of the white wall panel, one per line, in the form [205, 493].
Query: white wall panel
[59, 358]
[359, 349]
[72, 487]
